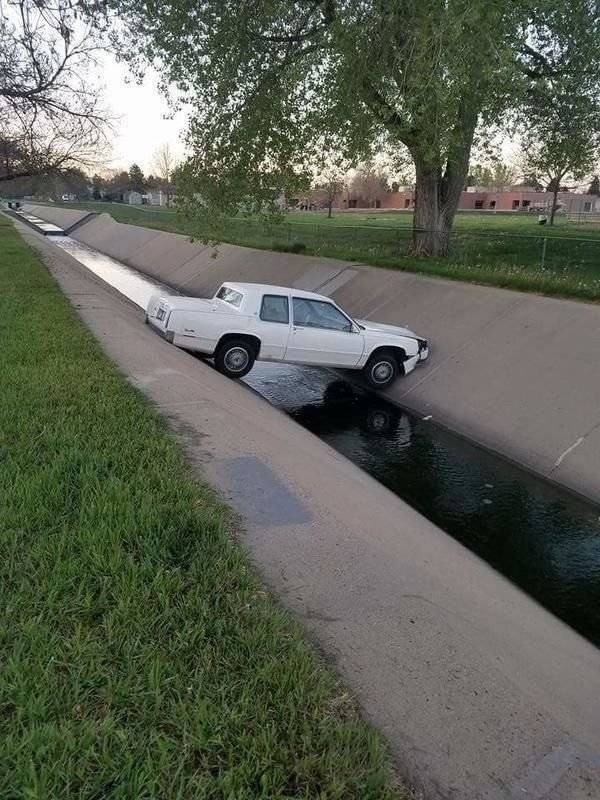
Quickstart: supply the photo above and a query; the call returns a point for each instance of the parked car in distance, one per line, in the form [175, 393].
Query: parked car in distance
[244, 322]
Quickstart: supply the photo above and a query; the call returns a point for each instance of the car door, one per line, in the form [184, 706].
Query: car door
[273, 326]
[321, 334]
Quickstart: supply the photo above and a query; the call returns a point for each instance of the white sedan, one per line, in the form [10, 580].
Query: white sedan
[244, 322]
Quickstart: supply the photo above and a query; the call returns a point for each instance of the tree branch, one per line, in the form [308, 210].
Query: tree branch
[385, 113]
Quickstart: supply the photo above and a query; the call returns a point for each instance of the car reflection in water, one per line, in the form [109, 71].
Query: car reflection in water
[344, 409]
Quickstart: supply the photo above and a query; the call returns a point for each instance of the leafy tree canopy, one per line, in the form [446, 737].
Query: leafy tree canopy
[562, 140]
[272, 82]
[137, 182]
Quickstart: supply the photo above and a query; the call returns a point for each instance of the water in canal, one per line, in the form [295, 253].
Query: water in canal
[542, 538]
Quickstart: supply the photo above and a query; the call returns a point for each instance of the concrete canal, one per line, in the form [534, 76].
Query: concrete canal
[544, 539]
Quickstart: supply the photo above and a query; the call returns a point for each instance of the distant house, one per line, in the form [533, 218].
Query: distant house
[132, 198]
[156, 197]
[481, 198]
[151, 198]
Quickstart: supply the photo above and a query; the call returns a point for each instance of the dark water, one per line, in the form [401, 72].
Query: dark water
[543, 539]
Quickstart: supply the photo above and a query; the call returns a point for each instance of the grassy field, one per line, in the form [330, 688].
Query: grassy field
[140, 656]
[506, 250]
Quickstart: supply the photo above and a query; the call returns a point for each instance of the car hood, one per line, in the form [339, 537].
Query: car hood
[390, 330]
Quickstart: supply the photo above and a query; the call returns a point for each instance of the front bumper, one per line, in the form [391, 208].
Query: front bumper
[422, 355]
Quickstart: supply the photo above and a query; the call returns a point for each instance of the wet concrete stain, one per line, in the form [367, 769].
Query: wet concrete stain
[259, 494]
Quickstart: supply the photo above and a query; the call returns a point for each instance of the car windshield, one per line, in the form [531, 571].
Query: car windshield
[230, 296]
[319, 314]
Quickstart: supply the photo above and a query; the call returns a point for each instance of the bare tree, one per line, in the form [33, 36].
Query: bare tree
[331, 184]
[51, 117]
[370, 183]
[164, 164]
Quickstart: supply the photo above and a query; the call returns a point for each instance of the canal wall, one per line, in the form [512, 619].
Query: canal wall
[65, 218]
[516, 372]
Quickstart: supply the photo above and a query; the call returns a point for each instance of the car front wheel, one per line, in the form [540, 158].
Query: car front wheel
[381, 370]
[235, 358]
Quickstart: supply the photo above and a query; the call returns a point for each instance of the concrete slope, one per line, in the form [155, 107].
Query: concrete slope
[515, 372]
[482, 694]
[65, 218]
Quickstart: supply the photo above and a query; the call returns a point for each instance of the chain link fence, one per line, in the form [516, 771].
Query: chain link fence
[545, 251]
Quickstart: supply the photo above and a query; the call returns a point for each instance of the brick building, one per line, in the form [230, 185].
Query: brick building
[480, 198]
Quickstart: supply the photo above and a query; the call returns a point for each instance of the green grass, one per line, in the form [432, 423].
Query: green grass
[507, 250]
[141, 658]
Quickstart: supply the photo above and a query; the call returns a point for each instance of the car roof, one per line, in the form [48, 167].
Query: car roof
[251, 292]
[266, 288]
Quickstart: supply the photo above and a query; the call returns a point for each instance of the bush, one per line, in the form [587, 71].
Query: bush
[290, 247]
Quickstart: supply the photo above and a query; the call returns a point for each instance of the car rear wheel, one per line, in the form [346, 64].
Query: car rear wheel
[235, 358]
[381, 370]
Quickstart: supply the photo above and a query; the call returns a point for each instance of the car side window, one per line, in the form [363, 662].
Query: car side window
[319, 314]
[230, 296]
[275, 308]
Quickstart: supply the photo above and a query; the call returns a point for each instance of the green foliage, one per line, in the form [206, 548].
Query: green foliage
[561, 112]
[50, 185]
[563, 139]
[293, 247]
[273, 83]
[499, 176]
[595, 186]
[137, 182]
[141, 657]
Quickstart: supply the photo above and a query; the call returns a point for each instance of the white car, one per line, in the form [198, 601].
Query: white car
[248, 321]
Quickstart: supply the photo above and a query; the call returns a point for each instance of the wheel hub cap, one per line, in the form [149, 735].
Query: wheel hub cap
[236, 359]
[381, 372]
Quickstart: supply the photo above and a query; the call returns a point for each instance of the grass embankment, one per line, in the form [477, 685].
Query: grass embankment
[507, 250]
[140, 656]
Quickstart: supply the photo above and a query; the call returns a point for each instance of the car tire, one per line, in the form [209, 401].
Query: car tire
[381, 422]
[381, 370]
[235, 358]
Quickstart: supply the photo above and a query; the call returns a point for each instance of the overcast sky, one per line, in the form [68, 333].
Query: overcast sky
[142, 126]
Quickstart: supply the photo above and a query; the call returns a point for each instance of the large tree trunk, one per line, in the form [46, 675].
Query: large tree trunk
[438, 190]
[554, 203]
[430, 227]
[437, 198]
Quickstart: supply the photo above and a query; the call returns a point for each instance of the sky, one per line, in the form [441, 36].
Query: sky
[142, 125]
